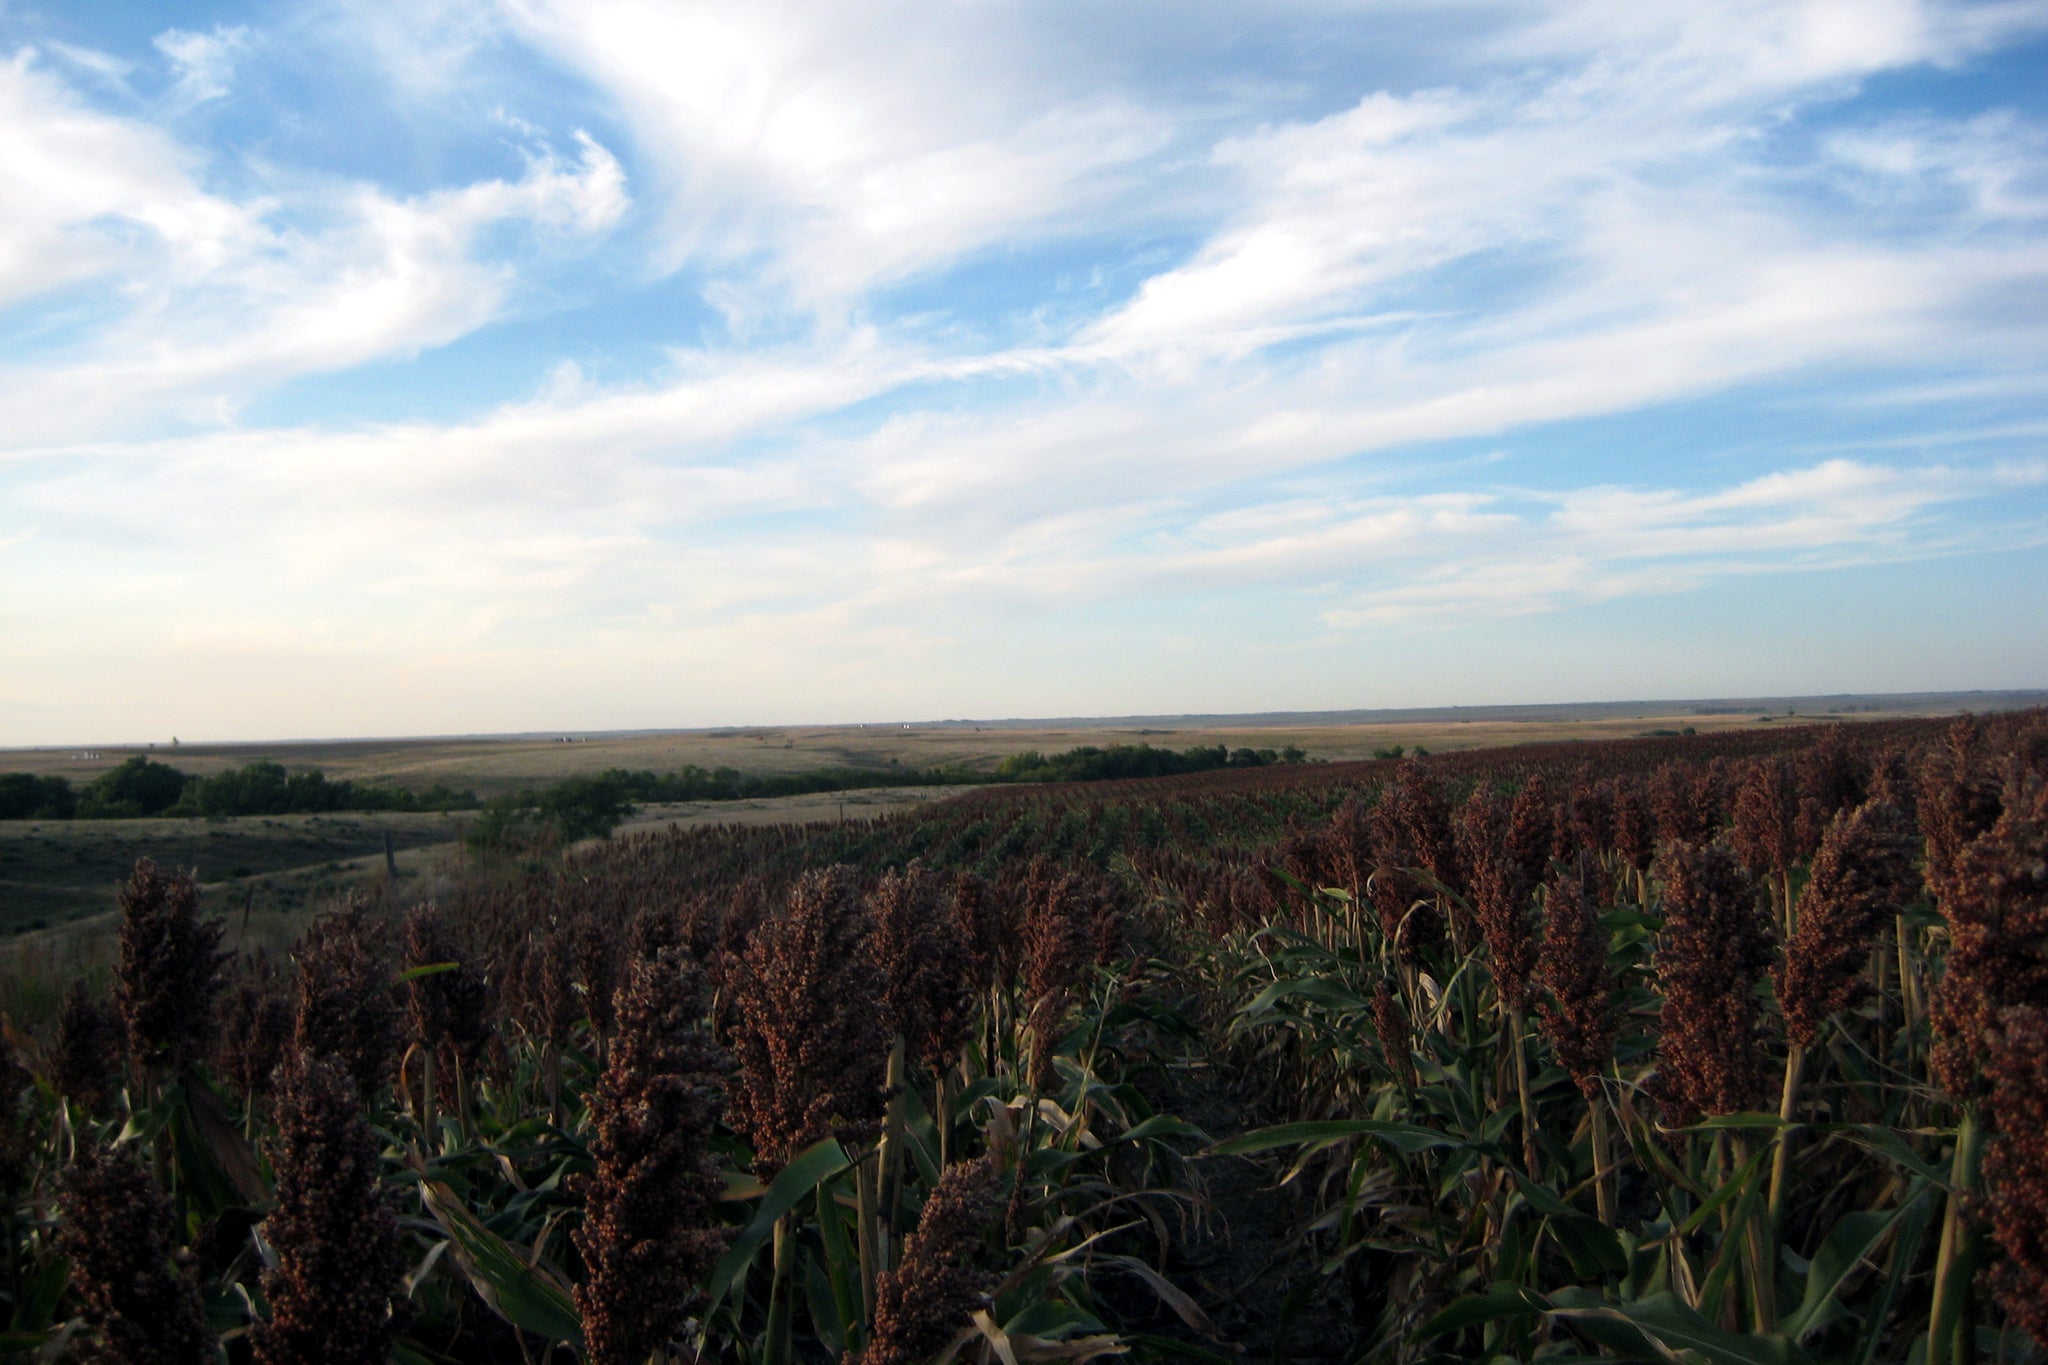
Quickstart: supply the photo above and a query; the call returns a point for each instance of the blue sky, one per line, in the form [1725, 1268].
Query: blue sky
[575, 364]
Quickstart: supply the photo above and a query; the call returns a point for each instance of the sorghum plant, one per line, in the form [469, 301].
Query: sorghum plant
[1860, 878]
[1578, 1011]
[1500, 899]
[1715, 948]
[926, 984]
[138, 1299]
[445, 1011]
[334, 1294]
[812, 1046]
[346, 1008]
[1578, 985]
[1996, 904]
[1055, 952]
[2016, 1167]
[256, 1022]
[1397, 1044]
[922, 1304]
[1766, 808]
[86, 1054]
[1958, 799]
[170, 969]
[650, 1234]
[1685, 801]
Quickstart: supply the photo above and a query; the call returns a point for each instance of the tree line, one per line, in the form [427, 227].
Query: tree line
[575, 807]
[142, 786]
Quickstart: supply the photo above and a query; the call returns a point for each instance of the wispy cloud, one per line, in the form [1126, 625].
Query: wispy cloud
[203, 298]
[204, 62]
[849, 335]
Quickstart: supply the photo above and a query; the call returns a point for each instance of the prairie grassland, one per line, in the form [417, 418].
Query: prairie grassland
[495, 765]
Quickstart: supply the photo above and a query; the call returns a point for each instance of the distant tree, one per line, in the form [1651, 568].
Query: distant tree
[584, 808]
[25, 796]
[140, 786]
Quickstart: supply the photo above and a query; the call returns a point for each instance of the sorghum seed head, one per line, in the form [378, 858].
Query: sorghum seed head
[923, 1303]
[170, 970]
[1715, 947]
[650, 1230]
[335, 1292]
[139, 1297]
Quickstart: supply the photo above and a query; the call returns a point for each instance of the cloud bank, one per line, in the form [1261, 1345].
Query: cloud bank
[805, 361]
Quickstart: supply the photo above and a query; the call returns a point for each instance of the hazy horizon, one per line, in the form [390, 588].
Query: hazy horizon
[1878, 704]
[522, 366]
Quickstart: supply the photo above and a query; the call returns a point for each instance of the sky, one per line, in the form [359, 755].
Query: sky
[427, 368]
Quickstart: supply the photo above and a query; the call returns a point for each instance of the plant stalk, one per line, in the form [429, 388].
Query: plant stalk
[1603, 1193]
[1521, 1051]
[1951, 1324]
[781, 1297]
[1788, 1103]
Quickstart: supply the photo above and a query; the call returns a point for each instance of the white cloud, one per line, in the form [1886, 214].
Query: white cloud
[204, 62]
[1599, 543]
[823, 150]
[205, 298]
[81, 187]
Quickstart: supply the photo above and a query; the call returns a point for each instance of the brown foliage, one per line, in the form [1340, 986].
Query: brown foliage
[447, 1011]
[1766, 814]
[86, 1055]
[1685, 801]
[1397, 1043]
[16, 1142]
[927, 986]
[1958, 799]
[1500, 899]
[1056, 950]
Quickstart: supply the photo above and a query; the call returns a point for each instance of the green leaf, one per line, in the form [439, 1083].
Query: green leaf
[1741, 1121]
[1318, 990]
[1593, 1248]
[1501, 1301]
[1887, 1142]
[521, 1292]
[25, 1343]
[1402, 1137]
[1667, 1326]
[1159, 1126]
[218, 1166]
[1052, 1320]
[1739, 1185]
[1847, 1245]
[799, 1181]
[424, 969]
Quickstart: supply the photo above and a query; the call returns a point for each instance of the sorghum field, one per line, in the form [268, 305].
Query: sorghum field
[1727, 1048]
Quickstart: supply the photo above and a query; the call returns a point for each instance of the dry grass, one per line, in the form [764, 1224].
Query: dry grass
[495, 765]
